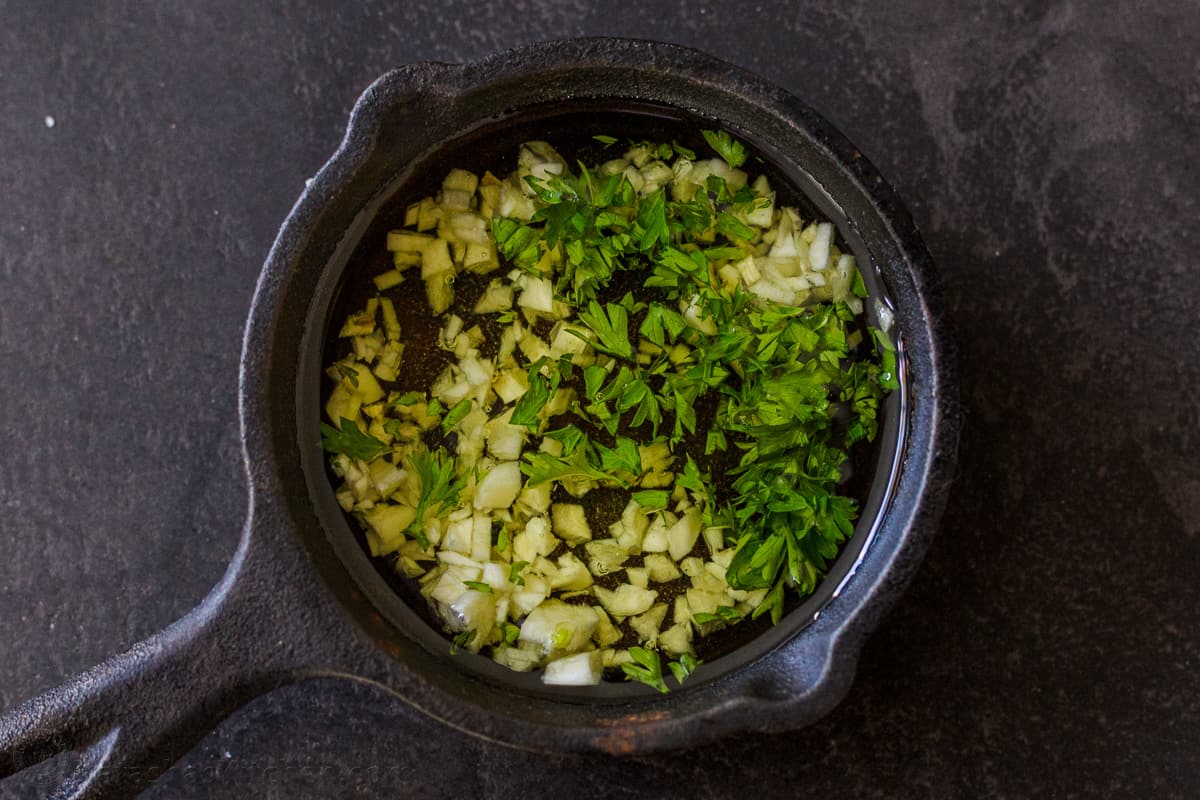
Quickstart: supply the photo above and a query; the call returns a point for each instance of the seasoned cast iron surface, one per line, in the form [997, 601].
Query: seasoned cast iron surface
[1049, 643]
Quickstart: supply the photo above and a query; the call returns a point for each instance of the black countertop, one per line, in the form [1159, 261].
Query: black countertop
[1049, 646]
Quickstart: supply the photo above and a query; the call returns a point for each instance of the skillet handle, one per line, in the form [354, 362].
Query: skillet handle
[137, 713]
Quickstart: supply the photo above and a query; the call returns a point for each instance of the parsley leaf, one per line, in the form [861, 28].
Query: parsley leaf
[857, 286]
[351, 441]
[530, 404]
[728, 148]
[661, 325]
[733, 228]
[647, 668]
[691, 478]
[683, 152]
[624, 458]
[653, 499]
[724, 253]
[407, 399]
[456, 415]
[684, 667]
[440, 489]
[652, 220]
[724, 614]
[611, 326]
[348, 372]
[714, 441]
[570, 436]
[517, 241]
[463, 639]
[593, 379]
[887, 355]
[542, 467]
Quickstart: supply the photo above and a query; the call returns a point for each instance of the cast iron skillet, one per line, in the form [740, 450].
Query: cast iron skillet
[301, 599]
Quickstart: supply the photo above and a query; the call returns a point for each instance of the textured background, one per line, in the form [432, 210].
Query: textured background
[1050, 645]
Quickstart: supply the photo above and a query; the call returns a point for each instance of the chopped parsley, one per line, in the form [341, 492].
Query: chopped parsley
[351, 441]
[728, 148]
[439, 487]
[684, 667]
[456, 414]
[645, 668]
[611, 326]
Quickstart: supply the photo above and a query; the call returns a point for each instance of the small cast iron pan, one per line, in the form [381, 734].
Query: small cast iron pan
[302, 599]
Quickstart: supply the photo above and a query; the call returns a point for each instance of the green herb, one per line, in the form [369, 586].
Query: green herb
[857, 286]
[570, 436]
[691, 477]
[623, 458]
[435, 408]
[684, 667]
[639, 395]
[887, 354]
[593, 379]
[772, 604]
[530, 404]
[685, 414]
[683, 152]
[349, 373]
[611, 326]
[351, 441]
[786, 514]
[463, 639]
[647, 668]
[724, 253]
[617, 385]
[514, 572]
[408, 399]
[652, 499]
[733, 228]
[440, 489]
[728, 148]
[662, 324]
[692, 267]
[724, 614]
[651, 220]
[605, 140]
[478, 586]
[510, 632]
[516, 241]
[456, 415]
[542, 467]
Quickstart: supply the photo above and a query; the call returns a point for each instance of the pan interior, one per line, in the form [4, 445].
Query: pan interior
[361, 254]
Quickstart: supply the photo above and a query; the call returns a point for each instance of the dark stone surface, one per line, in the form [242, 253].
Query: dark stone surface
[1050, 645]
